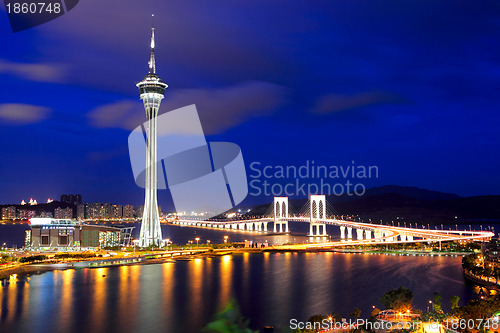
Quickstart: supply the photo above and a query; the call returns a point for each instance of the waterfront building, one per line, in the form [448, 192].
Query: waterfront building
[66, 234]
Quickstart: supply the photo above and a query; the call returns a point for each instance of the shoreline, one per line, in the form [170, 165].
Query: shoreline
[480, 282]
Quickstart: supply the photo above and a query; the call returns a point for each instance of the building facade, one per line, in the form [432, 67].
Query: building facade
[67, 234]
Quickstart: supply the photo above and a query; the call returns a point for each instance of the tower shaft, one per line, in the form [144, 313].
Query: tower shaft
[152, 90]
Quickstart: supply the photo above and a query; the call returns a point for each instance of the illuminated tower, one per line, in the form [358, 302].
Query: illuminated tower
[152, 90]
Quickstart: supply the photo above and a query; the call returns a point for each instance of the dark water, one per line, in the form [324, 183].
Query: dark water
[271, 289]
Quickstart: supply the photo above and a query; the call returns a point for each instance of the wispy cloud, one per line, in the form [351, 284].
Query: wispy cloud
[23, 113]
[219, 109]
[335, 102]
[43, 72]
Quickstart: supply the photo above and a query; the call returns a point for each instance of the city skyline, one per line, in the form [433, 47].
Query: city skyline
[417, 101]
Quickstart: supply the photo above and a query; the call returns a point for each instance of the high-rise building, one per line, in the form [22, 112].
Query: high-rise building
[73, 199]
[92, 210]
[63, 213]
[9, 213]
[152, 91]
[116, 211]
[128, 212]
[80, 212]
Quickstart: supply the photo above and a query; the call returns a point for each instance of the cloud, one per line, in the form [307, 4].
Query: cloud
[23, 113]
[124, 114]
[35, 72]
[219, 108]
[333, 102]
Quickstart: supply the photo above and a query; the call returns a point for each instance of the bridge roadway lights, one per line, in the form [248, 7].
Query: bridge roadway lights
[342, 232]
[359, 234]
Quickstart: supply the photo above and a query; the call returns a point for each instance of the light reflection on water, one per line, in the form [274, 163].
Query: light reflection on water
[271, 288]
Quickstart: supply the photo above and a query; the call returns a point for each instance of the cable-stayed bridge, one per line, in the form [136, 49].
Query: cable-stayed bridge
[318, 213]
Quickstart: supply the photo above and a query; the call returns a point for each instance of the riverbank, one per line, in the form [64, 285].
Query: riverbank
[483, 281]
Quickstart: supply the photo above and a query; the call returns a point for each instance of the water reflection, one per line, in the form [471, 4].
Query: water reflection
[271, 288]
[226, 267]
[66, 303]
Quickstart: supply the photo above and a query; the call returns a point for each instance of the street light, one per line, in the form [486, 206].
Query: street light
[135, 243]
[197, 240]
[208, 242]
[225, 239]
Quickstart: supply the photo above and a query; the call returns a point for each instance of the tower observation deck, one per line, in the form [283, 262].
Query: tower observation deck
[152, 91]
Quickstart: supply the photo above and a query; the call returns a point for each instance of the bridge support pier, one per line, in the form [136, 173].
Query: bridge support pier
[241, 226]
[349, 233]
[318, 226]
[280, 214]
[249, 226]
[281, 224]
[368, 234]
[359, 234]
[342, 232]
[265, 225]
[402, 237]
[410, 238]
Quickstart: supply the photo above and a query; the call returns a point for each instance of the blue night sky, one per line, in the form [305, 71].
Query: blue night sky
[408, 86]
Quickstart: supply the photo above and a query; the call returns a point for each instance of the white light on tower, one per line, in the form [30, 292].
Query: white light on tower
[152, 90]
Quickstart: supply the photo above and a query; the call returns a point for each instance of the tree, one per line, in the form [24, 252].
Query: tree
[437, 303]
[355, 313]
[454, 302]
[375, 312]
[397, 299]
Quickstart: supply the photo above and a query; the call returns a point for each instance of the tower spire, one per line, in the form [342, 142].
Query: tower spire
[152, 65]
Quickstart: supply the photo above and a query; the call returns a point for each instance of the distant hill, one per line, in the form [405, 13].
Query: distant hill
[412, 192]
[411, 205]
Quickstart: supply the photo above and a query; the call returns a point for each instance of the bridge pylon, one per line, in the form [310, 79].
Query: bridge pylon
[280, 208]
[317, 209]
